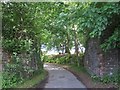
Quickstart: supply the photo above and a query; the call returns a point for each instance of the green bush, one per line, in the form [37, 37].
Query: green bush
[64, 59]
[16, 72]
[115, 78]
[10, 80]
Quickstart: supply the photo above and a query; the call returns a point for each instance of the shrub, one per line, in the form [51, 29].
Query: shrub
[10, 79]
[115, 78]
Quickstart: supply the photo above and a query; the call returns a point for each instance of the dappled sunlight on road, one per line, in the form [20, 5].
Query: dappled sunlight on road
[52, 67]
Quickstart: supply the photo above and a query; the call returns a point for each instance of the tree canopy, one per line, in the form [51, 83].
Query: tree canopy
[57, 23]
[26, 26]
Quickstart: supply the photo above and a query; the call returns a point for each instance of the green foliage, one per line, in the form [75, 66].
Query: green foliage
[14, 74]
[10, 80]
[77, 68]
[16, 45]
[97, 18]
[35, 80]
[59, 59]
[91, 20]
[64, 59]
[20, 38]
[55, 27]
[112, 42]
[114, 79]
[18, 73]
[26, 26]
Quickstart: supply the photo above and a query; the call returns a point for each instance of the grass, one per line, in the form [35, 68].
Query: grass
[77, 68]
[32, 82]
[81, 69]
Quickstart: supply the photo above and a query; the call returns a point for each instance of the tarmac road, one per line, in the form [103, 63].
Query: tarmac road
[61, 78]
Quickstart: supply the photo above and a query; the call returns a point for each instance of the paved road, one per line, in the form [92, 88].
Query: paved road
[61, 78]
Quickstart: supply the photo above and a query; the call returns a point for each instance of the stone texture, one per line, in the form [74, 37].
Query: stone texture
[99, 63]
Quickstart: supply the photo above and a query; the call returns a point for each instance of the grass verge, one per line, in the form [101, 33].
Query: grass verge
[33, 81]
[77, 68]
[82, 75]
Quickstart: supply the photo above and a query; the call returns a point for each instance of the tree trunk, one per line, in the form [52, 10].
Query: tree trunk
[67, 46]
[76, 45]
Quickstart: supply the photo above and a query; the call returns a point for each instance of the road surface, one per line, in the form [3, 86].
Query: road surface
[61, 78]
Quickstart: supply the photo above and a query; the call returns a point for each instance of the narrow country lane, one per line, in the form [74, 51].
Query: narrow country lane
[61, 78]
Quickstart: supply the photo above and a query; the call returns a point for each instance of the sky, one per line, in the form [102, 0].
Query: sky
[55, 52]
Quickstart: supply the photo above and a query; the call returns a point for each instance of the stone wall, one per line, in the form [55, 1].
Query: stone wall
[99, 63]
[111, 61]
[28, 63]
[25, 58]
